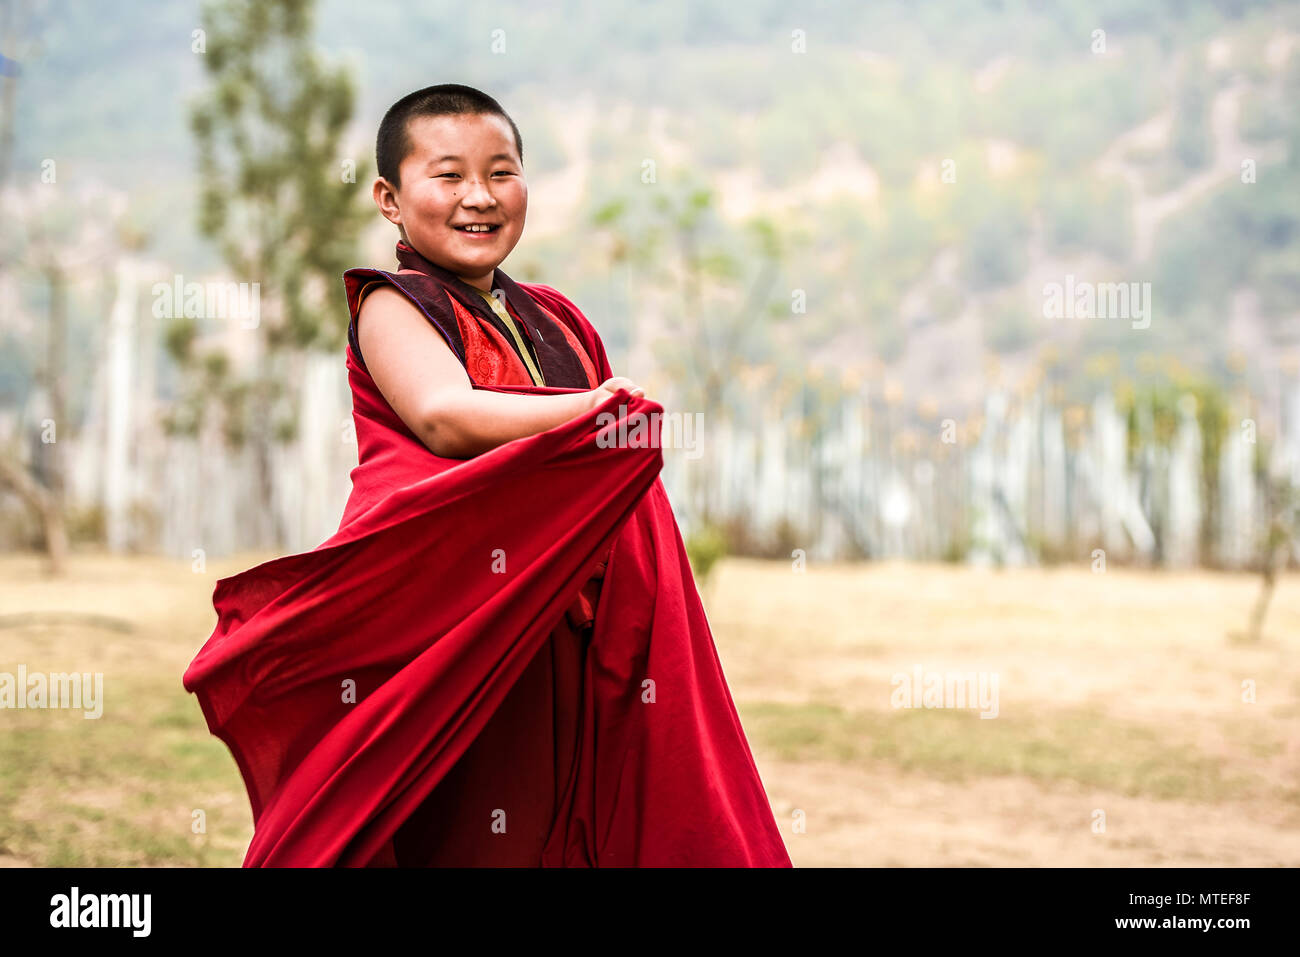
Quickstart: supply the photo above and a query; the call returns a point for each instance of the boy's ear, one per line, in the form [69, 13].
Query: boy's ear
[385, 198]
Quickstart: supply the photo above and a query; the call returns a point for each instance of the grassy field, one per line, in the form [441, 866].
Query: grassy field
[1119, 693]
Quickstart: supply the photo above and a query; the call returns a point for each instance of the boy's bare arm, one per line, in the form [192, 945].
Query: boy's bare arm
[427, 386]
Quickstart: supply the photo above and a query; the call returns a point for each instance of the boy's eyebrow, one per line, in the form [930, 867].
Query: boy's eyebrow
[498, 156]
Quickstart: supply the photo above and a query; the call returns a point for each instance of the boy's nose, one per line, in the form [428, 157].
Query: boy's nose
[477, 192]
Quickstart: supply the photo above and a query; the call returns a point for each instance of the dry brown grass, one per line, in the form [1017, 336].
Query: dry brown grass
[1118, 692]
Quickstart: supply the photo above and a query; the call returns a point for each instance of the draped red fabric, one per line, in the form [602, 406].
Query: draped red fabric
[349, 680]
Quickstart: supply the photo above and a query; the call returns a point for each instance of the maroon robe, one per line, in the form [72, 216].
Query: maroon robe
[511, 707]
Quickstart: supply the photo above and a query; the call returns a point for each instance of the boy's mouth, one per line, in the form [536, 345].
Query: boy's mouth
[477, 229]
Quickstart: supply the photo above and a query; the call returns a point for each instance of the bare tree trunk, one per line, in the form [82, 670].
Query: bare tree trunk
[1277, 547]
[46, 508]
[56, 539]
[1256, 630]
[270, 531]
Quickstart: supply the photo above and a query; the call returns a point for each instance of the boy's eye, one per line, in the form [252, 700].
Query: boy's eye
[500, 172]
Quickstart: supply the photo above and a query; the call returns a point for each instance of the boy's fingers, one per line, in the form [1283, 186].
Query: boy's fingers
[622, 382]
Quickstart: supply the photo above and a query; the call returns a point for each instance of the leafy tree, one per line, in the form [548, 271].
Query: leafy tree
[725, 300]
[279, 196]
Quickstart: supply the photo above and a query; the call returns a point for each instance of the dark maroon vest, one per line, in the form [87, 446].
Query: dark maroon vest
[429, 288]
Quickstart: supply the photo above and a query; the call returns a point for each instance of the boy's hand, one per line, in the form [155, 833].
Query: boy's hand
[607, 388]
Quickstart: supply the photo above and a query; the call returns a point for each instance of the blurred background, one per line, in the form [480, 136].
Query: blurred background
[988, 314]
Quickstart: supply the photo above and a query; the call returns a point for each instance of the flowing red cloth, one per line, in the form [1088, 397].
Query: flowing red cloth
[434, 596]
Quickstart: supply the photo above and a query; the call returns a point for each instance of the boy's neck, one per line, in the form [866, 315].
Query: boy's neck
[483, 283]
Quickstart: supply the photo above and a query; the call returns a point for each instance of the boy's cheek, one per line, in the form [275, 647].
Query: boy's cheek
[427, 199]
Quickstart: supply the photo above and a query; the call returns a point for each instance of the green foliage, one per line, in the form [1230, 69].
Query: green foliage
[1191, 134]
[995, 253]
[179, 336]
[723, 276]
[704, 547]
[1247, 235]
[278, 192]
[1085, 214]
[1073, 109]
[1153, 410]
[903, 86]
[280, 196]
[1008, 326]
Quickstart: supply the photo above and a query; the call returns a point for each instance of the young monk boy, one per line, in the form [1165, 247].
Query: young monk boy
[451, 178]
[423, 688]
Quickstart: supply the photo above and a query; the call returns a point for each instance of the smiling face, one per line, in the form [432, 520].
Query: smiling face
[461, 170]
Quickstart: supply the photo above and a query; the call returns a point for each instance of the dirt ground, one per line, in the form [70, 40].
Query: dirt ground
[1119, 692]
[1130, 728]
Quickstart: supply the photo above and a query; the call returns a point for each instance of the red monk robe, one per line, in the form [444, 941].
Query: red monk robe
[511, 705]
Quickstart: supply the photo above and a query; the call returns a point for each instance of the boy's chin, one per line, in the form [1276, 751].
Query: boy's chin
[452, 256]
[481, 261]
[474, 263]
[463, 265]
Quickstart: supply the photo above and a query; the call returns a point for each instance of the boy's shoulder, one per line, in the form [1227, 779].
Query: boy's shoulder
[570, 315]
[534, 288]
[556, 301]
